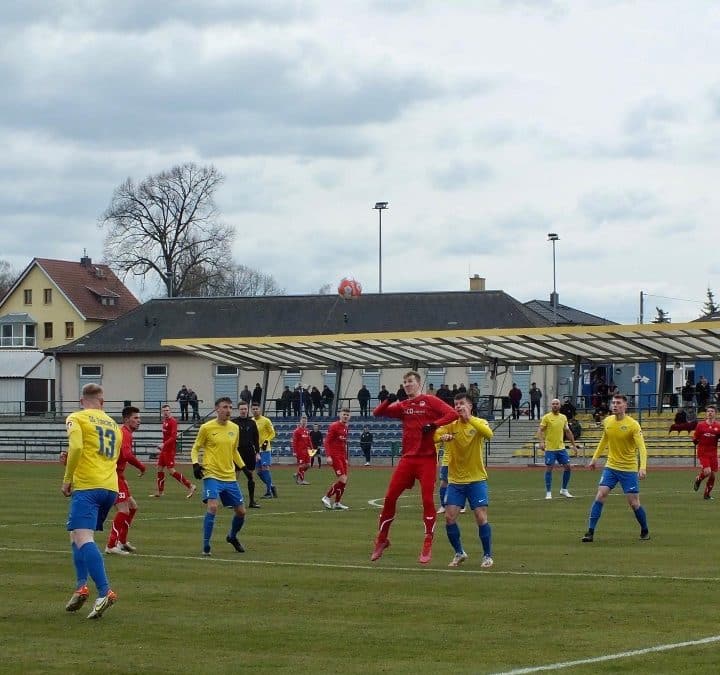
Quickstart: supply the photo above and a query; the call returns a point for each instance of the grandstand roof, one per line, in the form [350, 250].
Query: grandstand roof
[494, 346]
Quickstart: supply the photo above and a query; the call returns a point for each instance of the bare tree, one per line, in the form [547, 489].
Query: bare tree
[167, 225]
[7, 277]
[325, 289]
[234, 280]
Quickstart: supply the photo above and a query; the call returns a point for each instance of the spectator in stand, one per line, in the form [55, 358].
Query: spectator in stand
[297, 401]
[182, 399]
[246, 395]
[316, 437]
[688, 394]
[431, 390]
[702, 393]
[461, 389]
[328, 397]
[515, 396]
[717, 392]
[384, 393]
[363, 397]
[194, 404]
[474, 393]
[366, 442]
[568, 409]
[257, 394]
[400, 395]
[535, 397]
[307, 401]
[317, 402]
[286, 401]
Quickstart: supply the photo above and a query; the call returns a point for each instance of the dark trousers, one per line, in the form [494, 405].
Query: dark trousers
[534, 406]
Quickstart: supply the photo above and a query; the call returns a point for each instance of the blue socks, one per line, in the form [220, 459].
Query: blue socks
[566, 479]
[485, 538]
[81, 570]
[548, 481]
[453, 534]
[265, 477]
[208, 525]
[641, 517]
[95, 566]
[595, 513]
[236, 526]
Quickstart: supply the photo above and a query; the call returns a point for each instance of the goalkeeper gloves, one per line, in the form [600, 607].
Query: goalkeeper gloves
[198, 470]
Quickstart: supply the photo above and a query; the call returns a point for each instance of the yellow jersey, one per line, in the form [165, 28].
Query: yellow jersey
[624, 442]
[266, 430]
[554, 427]
[219, 443]
[94, 440]
[465, 452]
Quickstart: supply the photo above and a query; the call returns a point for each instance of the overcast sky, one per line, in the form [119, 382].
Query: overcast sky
[484, 124]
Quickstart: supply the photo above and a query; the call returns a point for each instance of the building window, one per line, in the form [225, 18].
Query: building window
[521, 368]
[48, 330]
[156, 371]
[17, 335]
[228, 371]
[90, 371]
[69, 330]
[371, 371]
[47, 296]
[27, 296]
[476, 370]
[107, 300]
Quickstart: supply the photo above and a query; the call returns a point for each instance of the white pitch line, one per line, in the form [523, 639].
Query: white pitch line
[388, 568]
[612, 657]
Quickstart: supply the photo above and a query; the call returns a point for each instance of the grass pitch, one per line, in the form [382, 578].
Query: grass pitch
[305, 598]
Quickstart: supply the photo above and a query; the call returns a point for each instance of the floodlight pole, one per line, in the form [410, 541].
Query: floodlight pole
[553, 237]
[380, 206]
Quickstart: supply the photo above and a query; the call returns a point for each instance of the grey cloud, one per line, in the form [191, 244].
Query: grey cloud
[140, 15]
[600, 206]
[459, 175]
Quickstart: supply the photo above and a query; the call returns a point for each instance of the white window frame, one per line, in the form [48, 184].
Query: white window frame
[91, 365]
[218, 366]
[155, 365]
[521, 368]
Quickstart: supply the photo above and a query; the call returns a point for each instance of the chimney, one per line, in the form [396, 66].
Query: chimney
[85, 261]
[554, 299]
[477, 283]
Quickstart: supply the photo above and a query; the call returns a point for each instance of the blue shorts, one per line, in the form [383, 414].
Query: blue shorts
[628, 480]
[227, 491]
[444, 473]
[89, 509]
[475, 493]
[559, 456]
[265, 457]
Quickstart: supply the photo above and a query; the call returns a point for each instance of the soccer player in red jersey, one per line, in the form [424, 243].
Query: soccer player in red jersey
[125, 503]
[421, 414]
[705, 438]
[336, 455]
[302, 445]
[166, 458]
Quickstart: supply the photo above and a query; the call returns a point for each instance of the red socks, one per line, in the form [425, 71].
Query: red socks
[180, 478]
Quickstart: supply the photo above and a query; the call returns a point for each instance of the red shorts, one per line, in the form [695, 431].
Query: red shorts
[303, 458]
[166, 459]
[708, 458]
[339, 464]
[123, 491]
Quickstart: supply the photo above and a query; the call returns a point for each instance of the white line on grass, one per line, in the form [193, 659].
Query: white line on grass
[612, 657]
[387, 568]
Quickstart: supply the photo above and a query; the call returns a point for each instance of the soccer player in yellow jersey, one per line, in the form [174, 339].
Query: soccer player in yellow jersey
[552, 431]
[467, 478]
[626, 464]
[266, 433]
[91, 482]
[218, 440]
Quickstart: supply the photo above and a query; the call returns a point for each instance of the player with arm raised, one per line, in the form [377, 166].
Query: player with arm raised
[421, 415]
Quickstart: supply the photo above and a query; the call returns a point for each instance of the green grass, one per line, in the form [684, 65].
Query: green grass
[305, 598]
